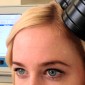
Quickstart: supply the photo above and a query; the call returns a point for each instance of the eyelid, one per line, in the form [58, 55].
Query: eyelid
[61, 71]
[59, 75]
[21, 75]
[16, 69]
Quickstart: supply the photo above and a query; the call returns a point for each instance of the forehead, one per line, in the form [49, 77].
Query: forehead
[43, 42]
[38, 35]
[41, 36]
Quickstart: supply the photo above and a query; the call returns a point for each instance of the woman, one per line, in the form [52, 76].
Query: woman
[42, 51]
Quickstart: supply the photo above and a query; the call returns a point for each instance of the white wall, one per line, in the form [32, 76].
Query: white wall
[34, 1]
[22, 2]
[10, 2]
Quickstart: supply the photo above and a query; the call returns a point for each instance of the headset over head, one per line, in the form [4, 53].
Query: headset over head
[74, 16]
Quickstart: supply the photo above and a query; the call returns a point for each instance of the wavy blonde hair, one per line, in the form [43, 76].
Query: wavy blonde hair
[47, 13]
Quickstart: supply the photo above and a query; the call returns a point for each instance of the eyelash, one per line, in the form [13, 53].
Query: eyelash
[23, 75]
[50, 73]
[57, 73]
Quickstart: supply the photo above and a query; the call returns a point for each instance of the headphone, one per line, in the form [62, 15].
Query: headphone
[74, 16]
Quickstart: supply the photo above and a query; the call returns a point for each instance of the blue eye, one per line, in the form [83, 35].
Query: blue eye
[53, 73]
[21, 72]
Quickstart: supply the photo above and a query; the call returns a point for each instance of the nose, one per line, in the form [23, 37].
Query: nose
[34, 80]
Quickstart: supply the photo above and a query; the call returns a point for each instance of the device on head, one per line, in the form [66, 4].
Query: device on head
[74, 16]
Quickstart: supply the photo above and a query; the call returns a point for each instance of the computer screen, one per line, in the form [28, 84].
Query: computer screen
[8, 17]
[6, 23]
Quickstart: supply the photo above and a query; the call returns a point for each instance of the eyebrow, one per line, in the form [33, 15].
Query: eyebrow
[44, 64]
[53, 63]
[18, 64]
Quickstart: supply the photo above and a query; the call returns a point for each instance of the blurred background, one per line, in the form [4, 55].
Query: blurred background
[22, 2]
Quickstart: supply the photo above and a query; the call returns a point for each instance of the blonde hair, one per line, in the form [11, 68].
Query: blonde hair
[33, 16]
[47, 13]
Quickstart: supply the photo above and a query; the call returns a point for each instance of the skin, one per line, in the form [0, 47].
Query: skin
[45, 56]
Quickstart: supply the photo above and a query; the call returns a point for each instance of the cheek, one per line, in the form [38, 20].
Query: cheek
[18, 81]
[76, 80]
[75, 77]
[79, 76]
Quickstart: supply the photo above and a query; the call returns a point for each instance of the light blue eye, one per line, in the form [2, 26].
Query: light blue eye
[53, 72]
[20, 71]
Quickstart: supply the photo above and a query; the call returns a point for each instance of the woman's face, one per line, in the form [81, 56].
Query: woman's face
[43, 56]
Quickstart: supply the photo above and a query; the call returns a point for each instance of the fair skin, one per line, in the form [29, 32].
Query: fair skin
[42, 56]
